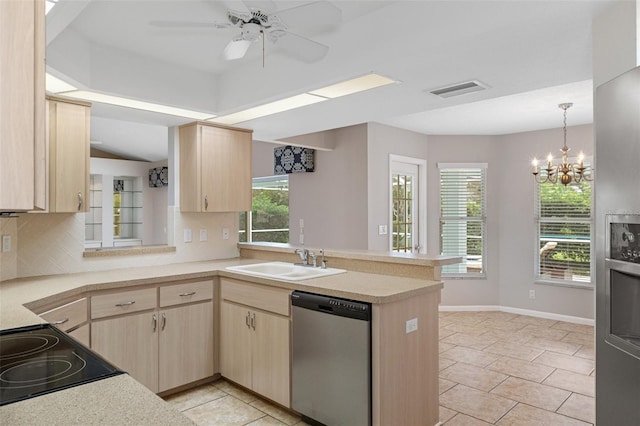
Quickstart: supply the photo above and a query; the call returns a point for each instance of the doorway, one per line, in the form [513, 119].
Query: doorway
[407, 211]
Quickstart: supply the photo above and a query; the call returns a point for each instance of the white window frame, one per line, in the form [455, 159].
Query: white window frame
[539, 278]
[482, 219]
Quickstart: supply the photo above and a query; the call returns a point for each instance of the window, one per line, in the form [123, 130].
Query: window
[269, 218]
[563, 214]
[403, 206]
[463, 218]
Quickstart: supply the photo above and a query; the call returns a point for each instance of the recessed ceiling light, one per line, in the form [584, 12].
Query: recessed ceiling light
[359, 84]
[132, 103]
[268, 109]
[55, 85]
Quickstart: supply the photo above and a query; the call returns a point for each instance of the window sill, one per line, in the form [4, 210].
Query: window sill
[570, 284]
[128, 251]
[464, 277]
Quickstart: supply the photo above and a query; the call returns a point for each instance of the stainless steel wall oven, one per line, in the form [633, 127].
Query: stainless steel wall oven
[622, 263]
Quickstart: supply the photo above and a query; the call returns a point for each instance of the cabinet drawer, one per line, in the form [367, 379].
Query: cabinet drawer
[258, 296]
[186, 293]
[106, 305]
[67, 316]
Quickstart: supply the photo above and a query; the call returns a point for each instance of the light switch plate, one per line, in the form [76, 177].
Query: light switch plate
[225, 233]
[187, 236]
[203, 235]
[412, 325]
[382, 229]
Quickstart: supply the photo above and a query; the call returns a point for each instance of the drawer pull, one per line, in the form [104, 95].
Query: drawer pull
[60, 322]
[155, 322]
[131, 302]
[246, 319]
[164, 321]
[191, 293]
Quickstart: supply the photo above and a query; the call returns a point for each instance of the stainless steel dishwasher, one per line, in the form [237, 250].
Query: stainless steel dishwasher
[331, 373]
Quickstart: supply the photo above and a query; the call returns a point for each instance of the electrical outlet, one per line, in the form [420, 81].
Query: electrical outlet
[203, 235]
[301, 239]
[301, 223]
[532, 294]
[382, 229]
[411, 325]
[187, 236]
[225, 233]
[6, 243]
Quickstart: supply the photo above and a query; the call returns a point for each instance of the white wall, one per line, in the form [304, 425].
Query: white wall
[517, 226]
[383, 141]
[332, 200]
[335, 209]
[468, 149]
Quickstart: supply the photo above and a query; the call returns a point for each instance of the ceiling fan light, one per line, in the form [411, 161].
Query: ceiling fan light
[236, 49]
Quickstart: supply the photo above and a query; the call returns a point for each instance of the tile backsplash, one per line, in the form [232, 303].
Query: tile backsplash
[52, 244]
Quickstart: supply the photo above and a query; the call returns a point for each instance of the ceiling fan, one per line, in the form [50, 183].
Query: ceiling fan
[262, 21]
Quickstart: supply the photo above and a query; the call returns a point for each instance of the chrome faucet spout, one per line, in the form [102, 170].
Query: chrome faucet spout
[304, 255]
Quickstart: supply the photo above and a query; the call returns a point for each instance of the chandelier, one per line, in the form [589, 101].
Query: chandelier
[564, 172]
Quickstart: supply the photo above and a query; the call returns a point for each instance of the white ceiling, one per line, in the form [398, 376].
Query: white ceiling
[533, 55]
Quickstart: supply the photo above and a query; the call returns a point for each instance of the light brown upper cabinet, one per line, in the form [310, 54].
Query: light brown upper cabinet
[68, 141]
[22, 109]
[215, 168]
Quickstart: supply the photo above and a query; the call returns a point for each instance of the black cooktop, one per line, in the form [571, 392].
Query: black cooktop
[40, 359]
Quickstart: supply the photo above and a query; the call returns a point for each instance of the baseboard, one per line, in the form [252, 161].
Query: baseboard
[519, 311]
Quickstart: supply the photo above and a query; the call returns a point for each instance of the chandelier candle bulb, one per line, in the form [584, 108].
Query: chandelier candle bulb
[581, 160]
[534, 163]
[549, 161]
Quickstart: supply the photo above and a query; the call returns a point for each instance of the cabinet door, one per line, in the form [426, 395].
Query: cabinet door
[226, 169]
[271, 366]
[68, 157]
[131, 344]
[22, 107]
[186, 345]
[81, 334]
[235, 344]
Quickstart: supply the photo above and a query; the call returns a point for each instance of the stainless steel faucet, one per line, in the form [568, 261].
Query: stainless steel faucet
[304, 255]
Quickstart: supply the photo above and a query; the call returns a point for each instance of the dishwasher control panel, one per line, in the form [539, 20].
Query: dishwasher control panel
[332, 305]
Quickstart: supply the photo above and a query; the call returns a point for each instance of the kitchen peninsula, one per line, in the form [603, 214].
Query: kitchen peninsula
[400, 287]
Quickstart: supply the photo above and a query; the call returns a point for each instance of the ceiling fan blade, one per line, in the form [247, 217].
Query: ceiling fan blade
[266, 6]
[236, 49]
[319, 14]
[301, 48]
[188, 24]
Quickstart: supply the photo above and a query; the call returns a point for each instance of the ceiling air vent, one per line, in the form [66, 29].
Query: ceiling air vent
[459, 89]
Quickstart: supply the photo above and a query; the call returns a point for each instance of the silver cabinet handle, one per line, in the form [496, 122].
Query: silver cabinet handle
[130, 302]
[79, 201]
[164, 321]
[253, 321]
[155, 322]
[60, 322]
[246, 319]
[191, 293]
[206, 202]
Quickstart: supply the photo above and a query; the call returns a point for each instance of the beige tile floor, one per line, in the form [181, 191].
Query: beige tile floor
[496, 368]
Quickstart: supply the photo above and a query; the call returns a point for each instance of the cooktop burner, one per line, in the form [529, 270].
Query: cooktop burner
[39, 359]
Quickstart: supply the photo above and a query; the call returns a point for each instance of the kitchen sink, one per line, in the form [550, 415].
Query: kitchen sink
[284, 271]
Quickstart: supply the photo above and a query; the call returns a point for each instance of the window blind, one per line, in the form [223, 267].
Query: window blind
[563, 215]
[463, 218]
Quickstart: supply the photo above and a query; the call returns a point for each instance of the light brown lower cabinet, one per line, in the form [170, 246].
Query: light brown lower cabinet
[162, 348]
[255, 343]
